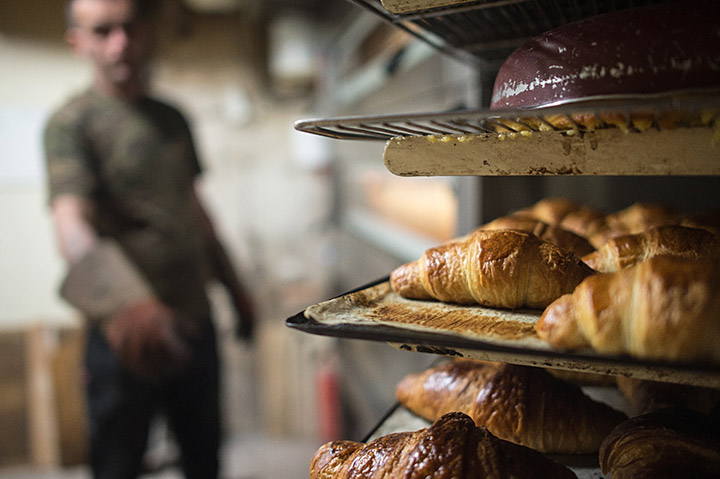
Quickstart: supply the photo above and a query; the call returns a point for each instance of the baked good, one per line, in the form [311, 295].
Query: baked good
[501, 268]
[452, 447]
[627, 250]
[653, 49]
[521, 404]
[551, 233]
[553, 210]
[663, 308]
[634, 219]
[665, 444]
[647, 396]
[583, 220]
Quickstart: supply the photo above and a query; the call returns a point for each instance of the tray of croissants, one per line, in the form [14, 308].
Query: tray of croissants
[471, 419]
[559, 284]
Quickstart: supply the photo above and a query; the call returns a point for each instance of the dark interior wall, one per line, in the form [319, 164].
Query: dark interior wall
[689, 194]
[33, 19]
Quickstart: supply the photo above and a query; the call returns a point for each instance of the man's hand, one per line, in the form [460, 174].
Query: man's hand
[145, 337]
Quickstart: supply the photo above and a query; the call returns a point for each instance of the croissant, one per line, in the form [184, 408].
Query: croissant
[503, 268]
[627, 250]
[545, 231]
[640, 216]
[552, 210]
[597, 227]
[633, 219]
[581, 220]
[451, 448]
[665, 444]
[520, 404]
[663, 308]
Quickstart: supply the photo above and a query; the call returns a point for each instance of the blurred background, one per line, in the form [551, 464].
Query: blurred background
[305, 218]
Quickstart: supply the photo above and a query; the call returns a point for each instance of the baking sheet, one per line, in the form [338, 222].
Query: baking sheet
[685, 108]
[375, 312]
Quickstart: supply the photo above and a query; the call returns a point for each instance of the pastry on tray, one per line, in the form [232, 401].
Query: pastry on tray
[552, 233]
[453, 447]
[521, 404]
[665, 444]
[582, 220]
[497, 268]
[664, 308]
[627, 250]
[598, 227]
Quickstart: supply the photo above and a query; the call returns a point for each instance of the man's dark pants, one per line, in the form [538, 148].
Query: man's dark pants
[122, 408]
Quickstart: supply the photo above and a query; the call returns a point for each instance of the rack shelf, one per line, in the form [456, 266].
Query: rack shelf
[665, 134]
[375, 312]
[490, 29]
[675, 134]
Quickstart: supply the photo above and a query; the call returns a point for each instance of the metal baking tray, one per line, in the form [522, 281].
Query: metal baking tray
[491, 123]
[680, 135]
[375, 312]
[487, 30]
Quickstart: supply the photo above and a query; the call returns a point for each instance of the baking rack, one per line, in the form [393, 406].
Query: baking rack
[487, 30]
[492, 122]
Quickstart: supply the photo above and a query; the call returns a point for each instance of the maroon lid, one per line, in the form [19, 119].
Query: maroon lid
[641, 50]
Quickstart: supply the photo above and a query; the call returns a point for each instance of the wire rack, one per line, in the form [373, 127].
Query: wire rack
[489, 30]
[696, 108]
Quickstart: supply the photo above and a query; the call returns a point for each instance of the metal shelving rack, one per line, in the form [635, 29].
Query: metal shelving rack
[484, 33]
[489, 30]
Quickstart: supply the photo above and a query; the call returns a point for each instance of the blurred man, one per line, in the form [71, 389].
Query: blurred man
[140, 249]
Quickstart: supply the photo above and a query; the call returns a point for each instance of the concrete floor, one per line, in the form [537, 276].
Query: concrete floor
[244, 457]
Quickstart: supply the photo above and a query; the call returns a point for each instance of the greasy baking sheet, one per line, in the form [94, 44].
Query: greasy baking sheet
[375, 312]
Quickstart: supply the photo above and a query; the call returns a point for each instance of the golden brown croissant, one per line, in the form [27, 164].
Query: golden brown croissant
[569, 215]
[665, 444]
[628, 250]
[545, 231]
[597, 227]
[503, 268]
[634, 219]
[451, 448]
[551, 210]
[663, 308]
[641, 216]
[520, 404]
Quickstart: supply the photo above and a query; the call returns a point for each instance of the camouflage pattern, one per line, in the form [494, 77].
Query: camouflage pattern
[137, 163]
